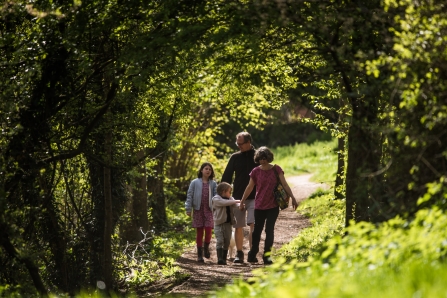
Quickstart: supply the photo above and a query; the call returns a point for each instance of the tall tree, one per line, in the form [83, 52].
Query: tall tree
[343, 36]
[415, 88]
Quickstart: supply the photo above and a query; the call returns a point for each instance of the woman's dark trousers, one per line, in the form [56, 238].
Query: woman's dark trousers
[268, 219]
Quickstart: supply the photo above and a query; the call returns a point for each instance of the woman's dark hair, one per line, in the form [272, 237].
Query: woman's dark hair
[262, 152]
[199, 175]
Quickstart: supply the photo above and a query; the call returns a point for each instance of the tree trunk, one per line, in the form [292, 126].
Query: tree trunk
[96, 233]
[140, 206]
[338, 192]
[137, 207]
[157, 198]
[55, 234]
[363, 161]
[33, 270]
[180, 162]
[356, 191]
[108, 216]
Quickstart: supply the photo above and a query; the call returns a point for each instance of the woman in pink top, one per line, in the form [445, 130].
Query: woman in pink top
[266, 208]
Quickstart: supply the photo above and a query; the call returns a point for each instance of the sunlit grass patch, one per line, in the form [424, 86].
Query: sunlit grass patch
[318, 158]
[327, 218]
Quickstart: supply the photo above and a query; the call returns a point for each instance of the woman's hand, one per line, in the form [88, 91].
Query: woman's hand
[188, 213]
[294, 203]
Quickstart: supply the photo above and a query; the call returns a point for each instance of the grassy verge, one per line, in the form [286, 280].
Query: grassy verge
[398, 258]
[318, 158]
[327, 218]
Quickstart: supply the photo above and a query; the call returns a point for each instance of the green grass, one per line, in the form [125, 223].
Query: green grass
[318, 158]
[327, 218]
[398, 258]
[413, 280]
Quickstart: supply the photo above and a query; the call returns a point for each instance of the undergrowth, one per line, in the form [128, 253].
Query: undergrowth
[398, 258]
[154, 258]
[327, 218]
[148, 261]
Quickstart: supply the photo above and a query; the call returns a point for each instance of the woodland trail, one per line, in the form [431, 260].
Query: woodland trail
[208, 276]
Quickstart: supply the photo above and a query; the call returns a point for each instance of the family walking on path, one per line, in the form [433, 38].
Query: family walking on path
[204, 277]
[255, 179]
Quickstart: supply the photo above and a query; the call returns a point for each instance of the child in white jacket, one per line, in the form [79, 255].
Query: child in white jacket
[223, 216]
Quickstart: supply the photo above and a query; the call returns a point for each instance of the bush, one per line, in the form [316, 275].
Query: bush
[398, 258]
[327, 218]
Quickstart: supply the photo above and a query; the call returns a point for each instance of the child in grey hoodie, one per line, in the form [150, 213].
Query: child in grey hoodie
[223, 216]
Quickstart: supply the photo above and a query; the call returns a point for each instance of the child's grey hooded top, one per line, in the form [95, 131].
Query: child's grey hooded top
[220, 209]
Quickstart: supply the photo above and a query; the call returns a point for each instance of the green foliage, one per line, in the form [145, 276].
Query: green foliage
[393, 243]
[418, 279]
[415, 117]
[399, 258]
[163, 78]
[283, 131]
[13, 292]
[327, 220]
[318, 193]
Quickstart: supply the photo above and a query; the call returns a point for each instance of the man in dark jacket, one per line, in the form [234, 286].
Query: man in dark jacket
[240, 165]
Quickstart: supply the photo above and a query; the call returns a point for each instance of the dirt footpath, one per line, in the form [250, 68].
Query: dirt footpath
[208, 276]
